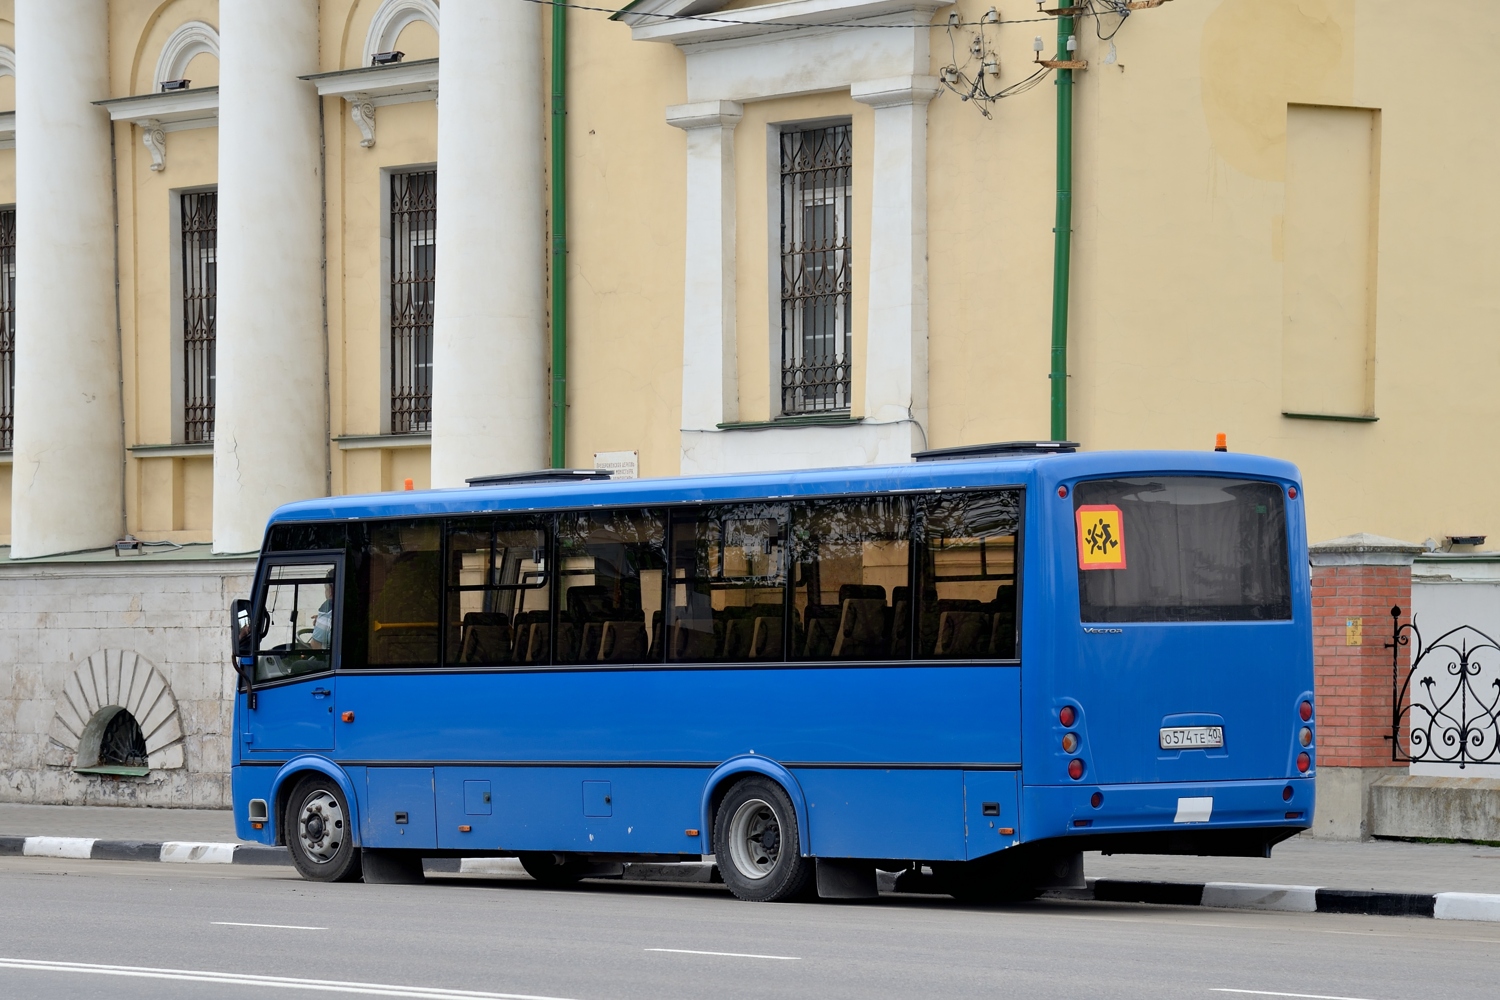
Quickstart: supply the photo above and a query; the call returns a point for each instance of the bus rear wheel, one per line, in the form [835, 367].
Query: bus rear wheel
[318, 833]
[756, 843]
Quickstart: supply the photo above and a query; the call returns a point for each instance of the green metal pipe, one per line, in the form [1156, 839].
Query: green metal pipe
[559, 236]
[1062, 239]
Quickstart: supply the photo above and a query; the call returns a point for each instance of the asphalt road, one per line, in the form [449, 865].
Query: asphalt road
[119, 930]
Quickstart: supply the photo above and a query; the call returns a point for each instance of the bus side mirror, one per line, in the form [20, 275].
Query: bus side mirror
[241, 642]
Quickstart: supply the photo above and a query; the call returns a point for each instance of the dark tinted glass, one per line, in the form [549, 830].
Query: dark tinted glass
[852, 569]
[393, 610]
[1181, 548]
[610, 574]
[968, 603]
[728, 576]
[498, 587]
[305, 537]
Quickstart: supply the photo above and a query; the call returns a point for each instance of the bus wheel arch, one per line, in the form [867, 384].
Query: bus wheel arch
[726, 774]
[292, 774]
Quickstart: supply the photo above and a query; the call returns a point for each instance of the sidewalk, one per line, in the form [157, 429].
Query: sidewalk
[1384, 866]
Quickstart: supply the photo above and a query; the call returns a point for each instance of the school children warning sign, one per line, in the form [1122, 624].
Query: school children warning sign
[1101, 537]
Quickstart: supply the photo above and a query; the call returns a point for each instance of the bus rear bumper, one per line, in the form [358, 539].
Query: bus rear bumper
[1219, 817]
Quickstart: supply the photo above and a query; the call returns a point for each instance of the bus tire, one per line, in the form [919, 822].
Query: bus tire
[756, 845]
[553, 869]
[319, 834]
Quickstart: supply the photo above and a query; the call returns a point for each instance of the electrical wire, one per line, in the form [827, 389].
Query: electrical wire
[792, 25]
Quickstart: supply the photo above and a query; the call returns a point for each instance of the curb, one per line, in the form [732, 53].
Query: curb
[1299, 899]
[1214, 895]
[171, 851]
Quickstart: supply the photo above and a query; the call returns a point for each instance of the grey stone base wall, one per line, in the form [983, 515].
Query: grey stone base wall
[1410, 805]
[1343, 811]
[81, 637]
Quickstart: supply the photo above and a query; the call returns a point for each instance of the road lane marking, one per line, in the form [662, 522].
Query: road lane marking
[278, 927]
[1269, 993]
[727, 954]
[277, 982]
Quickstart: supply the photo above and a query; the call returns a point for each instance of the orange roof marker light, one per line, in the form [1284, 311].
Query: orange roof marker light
[1221, 443]
[408, 485]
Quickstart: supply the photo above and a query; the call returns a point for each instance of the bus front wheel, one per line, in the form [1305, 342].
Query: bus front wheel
[756, 843]
[318, 832]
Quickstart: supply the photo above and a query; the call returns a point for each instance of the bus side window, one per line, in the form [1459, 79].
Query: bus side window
[967, 608]
[610, 576]
[851, 586]
[399, 578]
[498, 587]
[727, 599]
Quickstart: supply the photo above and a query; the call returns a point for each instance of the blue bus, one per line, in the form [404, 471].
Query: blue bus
[966, 670]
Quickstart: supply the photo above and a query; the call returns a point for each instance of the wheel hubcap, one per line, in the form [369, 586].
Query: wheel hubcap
[755, 839]
[320, 827]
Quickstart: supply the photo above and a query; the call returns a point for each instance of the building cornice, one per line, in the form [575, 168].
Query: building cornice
[175, 110]
[772, 18]
[370, 87]
[413, 81]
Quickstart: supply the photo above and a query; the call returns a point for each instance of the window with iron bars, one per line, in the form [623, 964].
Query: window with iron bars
[200, 307]
[816, 203]
[7, 327]
[413, 256]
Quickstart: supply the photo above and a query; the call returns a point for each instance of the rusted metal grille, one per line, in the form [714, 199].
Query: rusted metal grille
[200, 295]
[413, 254]
[815, 269]
[7, 326]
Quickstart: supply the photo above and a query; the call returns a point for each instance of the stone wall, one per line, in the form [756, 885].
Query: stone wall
[81, 635]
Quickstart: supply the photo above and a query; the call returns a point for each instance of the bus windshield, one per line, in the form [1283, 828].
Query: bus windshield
[1181, 549]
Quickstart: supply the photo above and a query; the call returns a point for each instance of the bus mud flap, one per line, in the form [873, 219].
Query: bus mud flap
[391, 867]
[840, 878]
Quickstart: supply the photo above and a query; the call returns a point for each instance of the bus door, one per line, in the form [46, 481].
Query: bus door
[1188, 658]
[296, 636]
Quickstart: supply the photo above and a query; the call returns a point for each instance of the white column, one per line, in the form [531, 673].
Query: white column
[490, 338]
[710, 378]
[271, 419]
[896, 337]
[67, 490]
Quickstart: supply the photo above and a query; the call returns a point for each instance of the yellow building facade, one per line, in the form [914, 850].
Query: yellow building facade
[798, 233]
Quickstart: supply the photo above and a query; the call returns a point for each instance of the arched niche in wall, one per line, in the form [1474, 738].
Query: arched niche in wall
[190, 40]
[88, 726]
[393, 17]
[7, 78]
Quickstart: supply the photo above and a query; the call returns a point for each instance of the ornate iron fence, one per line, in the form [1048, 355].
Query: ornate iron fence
[816, 269]
[413, 280]
[1449, 700]
[7, 326]
[200, 311]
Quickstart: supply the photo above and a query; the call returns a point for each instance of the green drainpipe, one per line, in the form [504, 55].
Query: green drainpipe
[1062, 235]
[559, 237]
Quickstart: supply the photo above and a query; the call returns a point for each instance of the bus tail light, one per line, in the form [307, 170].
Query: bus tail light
[1070, 742]
[1305, 711]
[1096, 800]
[1304, 761]
[1304, 736]
[1075, 768]
[1067, 715]
[1286, 794]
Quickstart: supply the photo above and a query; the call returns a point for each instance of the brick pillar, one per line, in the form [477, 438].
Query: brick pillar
[1356, 580]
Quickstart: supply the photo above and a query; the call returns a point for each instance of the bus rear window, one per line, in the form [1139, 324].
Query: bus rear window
[1181, 549]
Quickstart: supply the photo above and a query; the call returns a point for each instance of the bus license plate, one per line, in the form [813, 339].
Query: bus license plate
[1192, 737]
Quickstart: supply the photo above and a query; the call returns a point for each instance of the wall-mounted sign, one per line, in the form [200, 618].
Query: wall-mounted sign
[620, 464]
